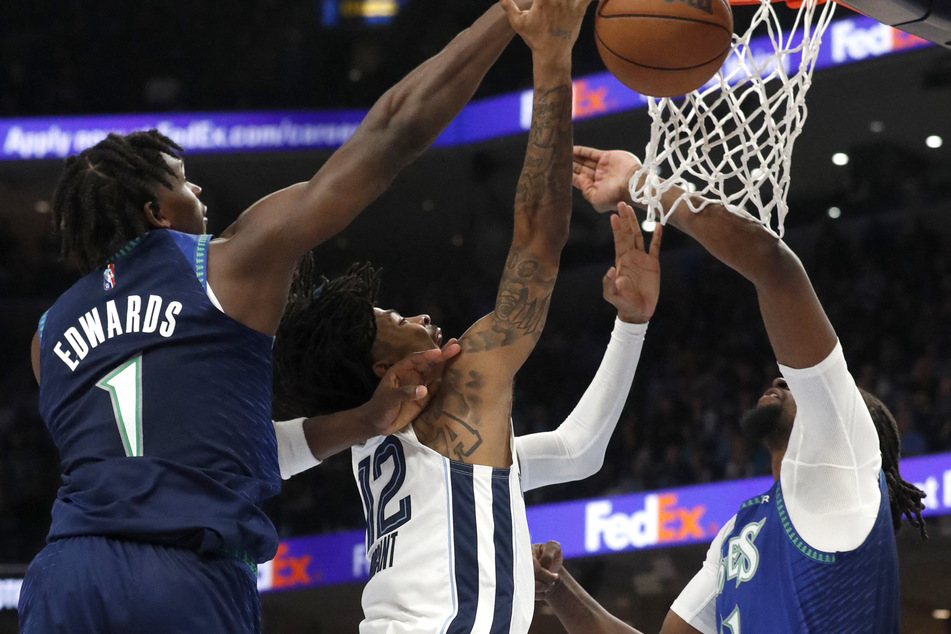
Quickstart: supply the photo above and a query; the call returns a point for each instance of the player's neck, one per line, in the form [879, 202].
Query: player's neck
[777, 461]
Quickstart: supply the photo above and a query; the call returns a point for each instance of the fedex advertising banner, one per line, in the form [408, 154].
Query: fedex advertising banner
[848, 40]
[599, 526]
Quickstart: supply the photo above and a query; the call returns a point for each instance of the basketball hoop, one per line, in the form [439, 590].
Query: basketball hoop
[731, 140]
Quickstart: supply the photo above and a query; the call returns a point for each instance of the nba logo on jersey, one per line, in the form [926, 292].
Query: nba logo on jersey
[109, 278]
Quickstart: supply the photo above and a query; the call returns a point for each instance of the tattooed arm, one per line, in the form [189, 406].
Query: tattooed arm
[469, 420]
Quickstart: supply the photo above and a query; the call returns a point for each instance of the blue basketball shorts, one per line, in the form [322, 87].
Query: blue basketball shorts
[104, 585]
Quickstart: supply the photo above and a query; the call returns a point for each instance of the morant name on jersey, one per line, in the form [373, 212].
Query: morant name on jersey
[135, 315]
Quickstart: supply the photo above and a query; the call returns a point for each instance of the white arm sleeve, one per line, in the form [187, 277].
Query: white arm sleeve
[829, 474]
[575, 450]
[293, 452]
[697, 602]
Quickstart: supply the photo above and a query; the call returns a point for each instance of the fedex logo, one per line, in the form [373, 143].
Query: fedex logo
[937, 488]
[661, 521]
[851, 42]
[588, 98]
[286, 571]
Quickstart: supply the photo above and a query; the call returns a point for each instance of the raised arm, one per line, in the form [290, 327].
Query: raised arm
[576, 449]
[470, 420]
[251, 266]
[798, 329]
[543, 196]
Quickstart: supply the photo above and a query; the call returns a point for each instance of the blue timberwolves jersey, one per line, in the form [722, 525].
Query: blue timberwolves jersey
[160, 406]
[770, 580]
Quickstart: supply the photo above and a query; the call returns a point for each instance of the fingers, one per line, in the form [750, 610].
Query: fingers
[586, 155]
[512, 12]
[608, 284]
[412, 392]
[655, 240]
[627, 232]
[580, 180]
[549, 555]
[434, 356]
[451, 348]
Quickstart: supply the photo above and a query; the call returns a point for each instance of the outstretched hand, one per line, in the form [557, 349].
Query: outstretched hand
[548, 560]
[632, 285]
[408, 386]
[548, 25]
[603, 176]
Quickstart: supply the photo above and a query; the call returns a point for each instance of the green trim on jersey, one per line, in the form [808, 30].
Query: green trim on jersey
[804, 548]
[201, 258]
[124, 250]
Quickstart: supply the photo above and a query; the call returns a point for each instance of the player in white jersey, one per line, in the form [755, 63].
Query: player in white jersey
[446, 535]
[816, 553]
[448, 547]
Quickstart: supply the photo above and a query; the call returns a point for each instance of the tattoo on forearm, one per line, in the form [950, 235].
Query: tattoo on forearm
[520, 307]
[544, 171]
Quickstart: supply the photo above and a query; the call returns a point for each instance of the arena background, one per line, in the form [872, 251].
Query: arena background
[880, 266]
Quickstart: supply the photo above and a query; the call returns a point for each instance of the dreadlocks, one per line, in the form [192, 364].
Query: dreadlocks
[322, 350]
[100, 195]
[904, 496]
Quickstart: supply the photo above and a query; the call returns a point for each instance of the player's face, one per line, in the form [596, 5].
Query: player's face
[180, 205]
[398, 336]
[774, 413]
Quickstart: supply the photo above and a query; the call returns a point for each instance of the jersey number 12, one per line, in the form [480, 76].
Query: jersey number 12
[378, 523]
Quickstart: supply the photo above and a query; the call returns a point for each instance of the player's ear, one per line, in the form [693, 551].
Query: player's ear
[153, 215]
[380, 367]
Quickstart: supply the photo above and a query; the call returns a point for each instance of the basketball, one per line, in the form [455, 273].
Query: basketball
[663, 48]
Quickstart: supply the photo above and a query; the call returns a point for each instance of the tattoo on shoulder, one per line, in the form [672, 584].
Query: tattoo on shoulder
[451, 426]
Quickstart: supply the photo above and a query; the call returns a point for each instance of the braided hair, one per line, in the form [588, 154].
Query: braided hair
[99, 197]
[904, 496]
[323, 347]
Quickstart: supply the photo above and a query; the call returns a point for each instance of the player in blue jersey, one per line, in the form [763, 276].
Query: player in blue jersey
[155, 367]
[447, 538]
[815, 553]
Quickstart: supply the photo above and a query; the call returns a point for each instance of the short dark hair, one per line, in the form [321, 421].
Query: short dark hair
[905, 497]
[99, 197]
[323, 358]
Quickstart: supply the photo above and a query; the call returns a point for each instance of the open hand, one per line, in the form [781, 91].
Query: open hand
[549, 25]
[603, 176]
[632, 285]
[408, 386]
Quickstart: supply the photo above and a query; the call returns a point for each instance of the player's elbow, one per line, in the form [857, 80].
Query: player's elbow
[770, 262]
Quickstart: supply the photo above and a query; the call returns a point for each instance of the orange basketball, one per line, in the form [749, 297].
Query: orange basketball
[663, 48]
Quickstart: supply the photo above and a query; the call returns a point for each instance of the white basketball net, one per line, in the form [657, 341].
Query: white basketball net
[732, 139]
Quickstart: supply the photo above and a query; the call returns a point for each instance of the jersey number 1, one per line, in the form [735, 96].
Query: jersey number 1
[731, 624]
[124, 385]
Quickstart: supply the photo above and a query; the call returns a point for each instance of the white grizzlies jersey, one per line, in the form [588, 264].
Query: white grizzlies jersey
[447, 542]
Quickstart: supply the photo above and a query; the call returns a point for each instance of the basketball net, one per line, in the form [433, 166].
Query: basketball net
[731, 140]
